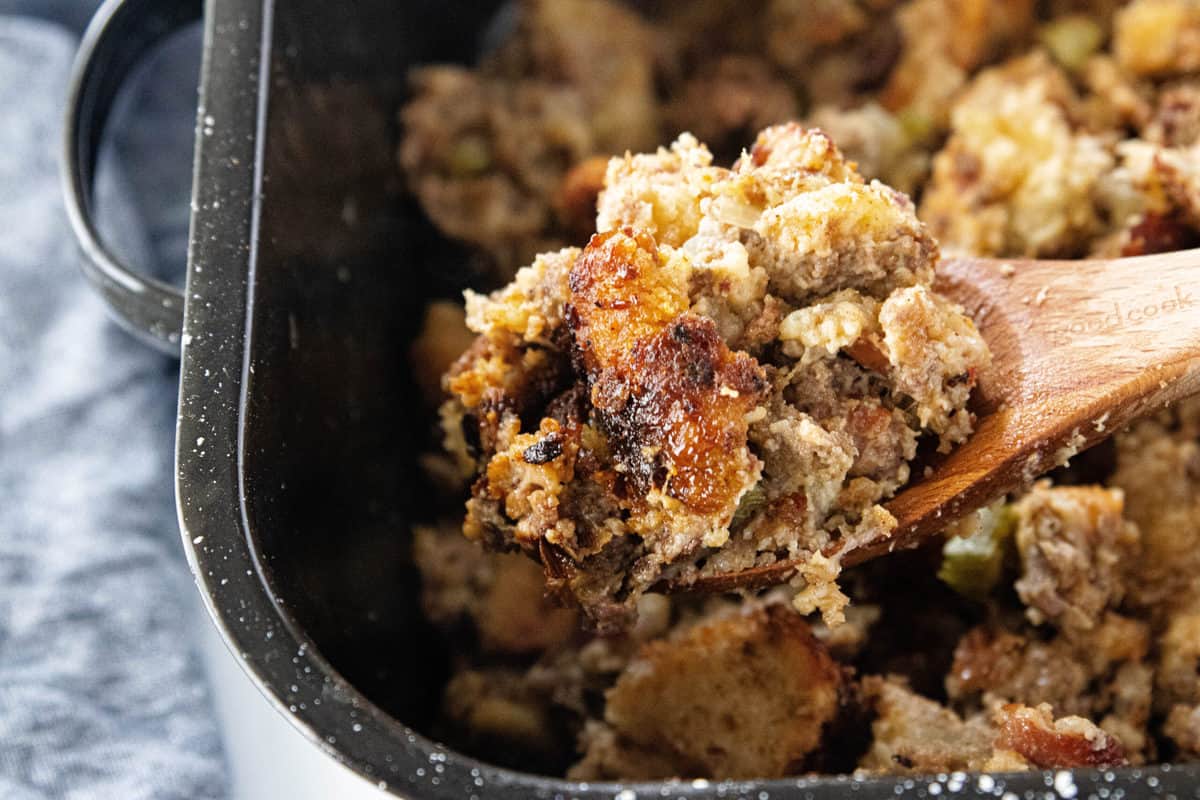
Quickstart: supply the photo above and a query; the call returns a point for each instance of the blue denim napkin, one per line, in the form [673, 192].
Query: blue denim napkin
[102, 692]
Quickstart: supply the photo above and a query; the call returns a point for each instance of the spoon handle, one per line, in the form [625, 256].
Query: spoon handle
[1080, 349]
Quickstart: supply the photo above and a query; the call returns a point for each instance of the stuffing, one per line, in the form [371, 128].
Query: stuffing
[487, 152]
[652, 441]
[746, 694]
[501, 595]
[943, 41]
[484, 156]
[1075, 548]
[1015, 177]
[878, 142]
[443, 338]
[1040, 740]
[1183, 729]
[1103, 675]
[1158, 468]
[1178, 678]
[914, 734]
[1158, 37]
[729, 100]
[917, 735]
[704, 336]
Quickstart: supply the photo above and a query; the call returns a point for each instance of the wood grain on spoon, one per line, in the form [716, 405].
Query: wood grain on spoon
[1079, 350]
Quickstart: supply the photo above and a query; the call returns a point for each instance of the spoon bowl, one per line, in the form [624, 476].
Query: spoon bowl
[1079, 350]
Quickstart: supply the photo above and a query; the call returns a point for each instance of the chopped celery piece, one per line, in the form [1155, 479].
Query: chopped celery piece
[1072, 40]
[916, 125]
[471, 155]
[973, 560]
[750, 504]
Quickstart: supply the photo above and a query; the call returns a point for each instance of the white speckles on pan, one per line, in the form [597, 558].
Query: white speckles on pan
[233, 573]
[1064, 784]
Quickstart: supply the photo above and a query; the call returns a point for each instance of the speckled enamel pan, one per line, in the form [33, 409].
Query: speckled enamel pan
[297, 432]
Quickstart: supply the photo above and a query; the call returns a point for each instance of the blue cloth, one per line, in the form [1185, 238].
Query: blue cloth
[102, 689]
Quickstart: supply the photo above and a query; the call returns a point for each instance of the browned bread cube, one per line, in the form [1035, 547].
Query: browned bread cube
[740, 696]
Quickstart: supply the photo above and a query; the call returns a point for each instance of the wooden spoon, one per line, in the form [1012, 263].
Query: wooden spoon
[1079, 350]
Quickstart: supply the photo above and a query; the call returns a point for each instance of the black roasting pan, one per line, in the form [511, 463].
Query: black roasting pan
[298, 419]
